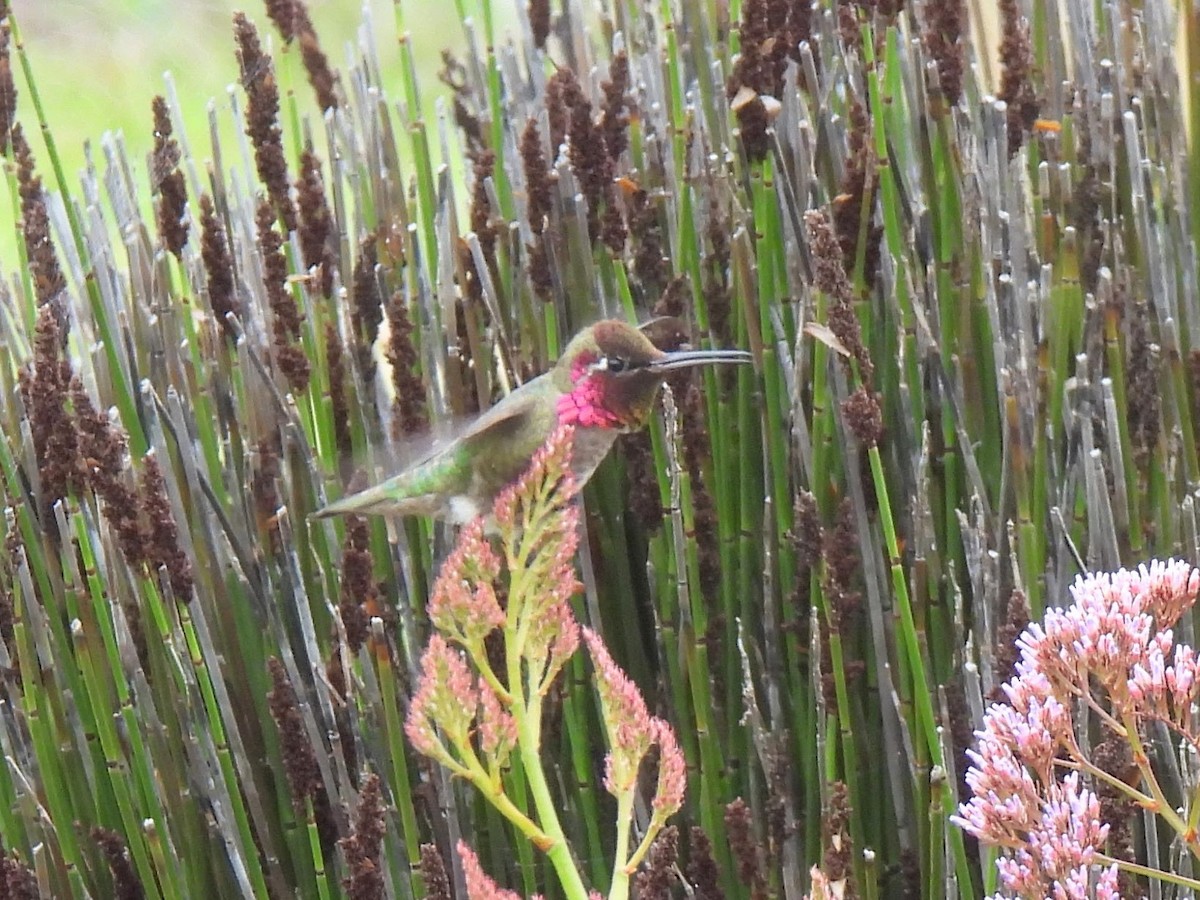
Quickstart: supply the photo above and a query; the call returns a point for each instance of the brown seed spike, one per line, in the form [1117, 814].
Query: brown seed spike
[945, 21]
[697, 453]
[655, 878]
[49, 285]
[102, 448]
[299, 759]
[1016, 618]
[126, 883]
[1144, 382]
[592, 166]
[649, 265]
[336, 361]
[285, 315]
[218, 267]
[316, 223]
[363, 846]
[1016, 74]
[357, 583]
[262, 117]
[283, 14]
[860, 180]
[962, 732]
[615, 120]
[537, 176]
[323, 79]
[162, 532]
[433, 870]
[864, 417]
[557, 108]
[409, 415]
[829, 277]
[44, 389]
[838, 859]
[366, 314]
[757, 72]
[481, 208]
[539, 21]
[744, 847]
[167, 181]
[843, 563]
[641, 480]
[540, 276]
[264, 487]
[702, 871]
[17, 879]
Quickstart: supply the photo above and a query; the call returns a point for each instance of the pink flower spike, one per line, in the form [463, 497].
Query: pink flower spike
[1170, 588]
[549, 472]
[464, 604]
[630, 728]
[445, 699]
[497, 729]
[480, 886]
[672, 771]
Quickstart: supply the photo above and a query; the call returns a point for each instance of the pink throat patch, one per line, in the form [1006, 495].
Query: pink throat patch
[584, 406]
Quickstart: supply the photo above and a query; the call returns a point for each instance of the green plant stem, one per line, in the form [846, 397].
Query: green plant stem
[619, 888]
[557, 850]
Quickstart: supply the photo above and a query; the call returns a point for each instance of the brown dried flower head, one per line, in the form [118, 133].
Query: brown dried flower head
[262, 117]
[218, 266]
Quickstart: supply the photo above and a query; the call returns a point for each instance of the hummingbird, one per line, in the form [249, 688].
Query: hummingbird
[604, 385]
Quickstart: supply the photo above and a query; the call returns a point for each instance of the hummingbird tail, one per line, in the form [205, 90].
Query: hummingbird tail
[376, 501]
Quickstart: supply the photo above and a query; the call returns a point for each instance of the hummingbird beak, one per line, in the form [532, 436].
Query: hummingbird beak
[682, 359]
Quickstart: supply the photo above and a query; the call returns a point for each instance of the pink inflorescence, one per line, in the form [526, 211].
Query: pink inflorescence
[480, 886]
[1113, 650]
[632, 732]
[549, 471]
[445, 698]
[464, 604]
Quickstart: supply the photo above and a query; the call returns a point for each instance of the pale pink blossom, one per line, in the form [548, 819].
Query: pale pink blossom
[1113, 648]
[463, 604]
[445, 699]
[497, 729]
[821, 888]
[480, 886]
[1059, 850]
[549, 474]
[630, 729]
[672, 771]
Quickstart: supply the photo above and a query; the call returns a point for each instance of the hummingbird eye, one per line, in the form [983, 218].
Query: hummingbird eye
[613, 364]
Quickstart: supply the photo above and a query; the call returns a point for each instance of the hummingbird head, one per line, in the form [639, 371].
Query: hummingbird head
[611, 371]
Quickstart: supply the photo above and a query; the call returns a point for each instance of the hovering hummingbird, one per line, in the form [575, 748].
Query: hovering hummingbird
[604, 384]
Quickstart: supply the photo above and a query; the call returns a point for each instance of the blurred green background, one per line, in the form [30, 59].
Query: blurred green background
[98, 64]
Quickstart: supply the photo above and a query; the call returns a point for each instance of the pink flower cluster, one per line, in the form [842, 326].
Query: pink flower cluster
[548, 483]
[1111, 650]
[449, 697]
[464, 606]
[480, 885]
[539, 529]
[476, 703]
[1117, 636]
[632, 732]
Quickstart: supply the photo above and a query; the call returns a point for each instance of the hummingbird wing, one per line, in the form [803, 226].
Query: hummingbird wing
[455, 477]
[501, 442]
